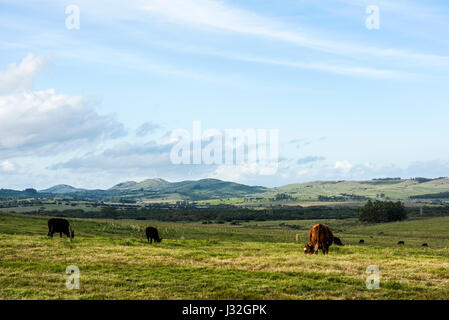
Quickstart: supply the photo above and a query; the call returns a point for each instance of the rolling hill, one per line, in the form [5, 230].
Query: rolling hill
[203, 189]
[208, 189]
[61, 189]
[395, 189]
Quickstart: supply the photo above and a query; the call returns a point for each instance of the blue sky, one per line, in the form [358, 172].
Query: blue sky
[95, 106]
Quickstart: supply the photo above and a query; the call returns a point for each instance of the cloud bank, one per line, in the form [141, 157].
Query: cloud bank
[46, 122]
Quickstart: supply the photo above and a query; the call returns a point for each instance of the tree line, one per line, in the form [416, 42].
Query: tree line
[382, 211]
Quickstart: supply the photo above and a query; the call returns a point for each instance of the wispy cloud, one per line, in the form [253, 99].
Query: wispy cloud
[325, 67]
[217, 15]
[147, 128]
[310, 159]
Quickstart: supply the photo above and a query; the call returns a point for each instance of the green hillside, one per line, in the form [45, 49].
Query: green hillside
[149, 185]
[161, 189]
[380, 188]
[62, 189]
[214, 189]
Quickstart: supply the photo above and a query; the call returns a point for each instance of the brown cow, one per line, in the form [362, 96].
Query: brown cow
[320, 237]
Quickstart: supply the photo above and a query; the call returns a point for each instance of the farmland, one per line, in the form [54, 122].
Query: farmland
[253, 260]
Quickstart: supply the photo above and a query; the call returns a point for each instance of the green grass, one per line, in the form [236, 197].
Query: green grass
[255, 260]
[402, 189]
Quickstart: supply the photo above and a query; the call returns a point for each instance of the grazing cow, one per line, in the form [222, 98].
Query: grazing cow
[61, 226]
[320, 237]
[361, 241]
[338, 242]
[400, 242]
[425, 245]
[152, 234]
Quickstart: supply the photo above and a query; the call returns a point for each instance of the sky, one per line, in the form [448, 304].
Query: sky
[95, 104]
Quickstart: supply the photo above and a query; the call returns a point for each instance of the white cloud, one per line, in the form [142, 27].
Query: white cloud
[245, 171]
[428, 169]
[345, 166]
[37, 122]
[42, 122]
[147, 128]
[310, 159]
[134, 158]
[21, 77]
[7, 166]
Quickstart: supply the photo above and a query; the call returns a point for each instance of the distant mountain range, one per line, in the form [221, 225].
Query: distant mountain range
[208, 189]
[158, 188]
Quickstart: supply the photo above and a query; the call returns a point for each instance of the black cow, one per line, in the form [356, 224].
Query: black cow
[400, 242]
[152, 234]
[362, 241]
[425, 245]
[61, 226]
[338, 242]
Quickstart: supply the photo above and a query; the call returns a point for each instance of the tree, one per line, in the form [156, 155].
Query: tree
[30, 190]
[382, 211]
[108, 212]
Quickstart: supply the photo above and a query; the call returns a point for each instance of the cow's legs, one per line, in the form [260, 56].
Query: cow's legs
[151, 240]
[60, 234]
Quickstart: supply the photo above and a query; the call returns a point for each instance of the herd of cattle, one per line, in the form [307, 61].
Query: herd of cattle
[62, 226]
[320, 236]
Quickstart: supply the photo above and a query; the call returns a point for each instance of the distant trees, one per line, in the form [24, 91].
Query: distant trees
[108, 212]
[331, 198]
[283, 196]
[30, 190]
[382, 211]
[441, 195]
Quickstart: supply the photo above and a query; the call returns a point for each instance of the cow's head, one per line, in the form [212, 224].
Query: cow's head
[159, 240]
[308, 249]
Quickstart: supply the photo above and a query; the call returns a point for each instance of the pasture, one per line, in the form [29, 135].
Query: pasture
[254, 260]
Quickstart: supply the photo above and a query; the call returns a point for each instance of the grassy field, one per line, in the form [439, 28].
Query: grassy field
[255, 260]
[396, 189]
